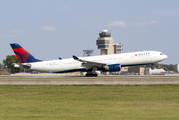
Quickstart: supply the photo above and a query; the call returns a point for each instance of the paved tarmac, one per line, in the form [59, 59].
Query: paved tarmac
[81, 80]
[82, 76]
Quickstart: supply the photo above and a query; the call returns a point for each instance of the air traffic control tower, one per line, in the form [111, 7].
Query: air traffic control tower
[106, 43]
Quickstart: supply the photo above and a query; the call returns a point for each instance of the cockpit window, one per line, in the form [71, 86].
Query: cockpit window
[161, 53]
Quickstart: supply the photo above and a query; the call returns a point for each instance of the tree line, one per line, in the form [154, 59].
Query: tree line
[8, 64]
[10, 59]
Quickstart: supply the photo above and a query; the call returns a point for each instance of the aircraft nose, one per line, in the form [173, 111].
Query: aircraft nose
[165, 56]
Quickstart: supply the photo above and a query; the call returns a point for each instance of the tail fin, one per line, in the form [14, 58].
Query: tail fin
[22, 55]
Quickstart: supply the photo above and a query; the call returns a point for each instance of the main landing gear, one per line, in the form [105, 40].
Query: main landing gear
[91, 74]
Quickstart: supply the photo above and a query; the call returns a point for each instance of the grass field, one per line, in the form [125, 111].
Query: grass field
[89, 102]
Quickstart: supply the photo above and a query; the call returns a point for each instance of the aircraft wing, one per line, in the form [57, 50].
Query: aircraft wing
[90, 64]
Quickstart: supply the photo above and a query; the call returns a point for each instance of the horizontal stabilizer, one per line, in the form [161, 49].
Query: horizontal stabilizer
[27, 66]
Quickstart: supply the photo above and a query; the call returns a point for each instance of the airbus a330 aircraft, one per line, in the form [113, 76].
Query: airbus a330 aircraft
[90, 64]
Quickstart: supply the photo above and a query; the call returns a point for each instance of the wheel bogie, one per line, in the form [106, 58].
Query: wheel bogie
[91, 75]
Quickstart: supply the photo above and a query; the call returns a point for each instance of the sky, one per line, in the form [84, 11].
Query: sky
[50, 29]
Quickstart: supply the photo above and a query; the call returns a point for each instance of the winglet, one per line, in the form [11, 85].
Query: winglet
[76, 58]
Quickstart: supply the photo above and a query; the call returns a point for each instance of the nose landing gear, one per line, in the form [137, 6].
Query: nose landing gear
[152, 66]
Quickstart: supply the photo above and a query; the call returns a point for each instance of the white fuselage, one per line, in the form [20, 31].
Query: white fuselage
[124, 59]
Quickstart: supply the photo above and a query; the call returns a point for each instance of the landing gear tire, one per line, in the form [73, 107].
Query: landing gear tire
[88, 75]
[91, 75]
[95, 75]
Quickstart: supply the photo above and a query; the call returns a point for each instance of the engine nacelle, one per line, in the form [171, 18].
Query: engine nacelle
[98, 72]
[113, 67]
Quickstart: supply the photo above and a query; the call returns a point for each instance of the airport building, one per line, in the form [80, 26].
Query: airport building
[145, 71]
[136, 70]
[155, 71]
[106, 44]
[177, 67]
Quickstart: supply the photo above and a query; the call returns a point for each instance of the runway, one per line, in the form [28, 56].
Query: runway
[82, 76]
[81, 80]
[51, 75]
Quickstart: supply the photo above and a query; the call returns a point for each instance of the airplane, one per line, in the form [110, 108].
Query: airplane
[92, 64]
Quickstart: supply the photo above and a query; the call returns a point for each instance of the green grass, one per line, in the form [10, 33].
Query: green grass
[89, 102]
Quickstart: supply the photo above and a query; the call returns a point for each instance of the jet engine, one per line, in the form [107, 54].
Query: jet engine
[113, 67]
[98, 72]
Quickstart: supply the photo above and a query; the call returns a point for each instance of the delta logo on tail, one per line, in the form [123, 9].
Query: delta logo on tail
[22, 55]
